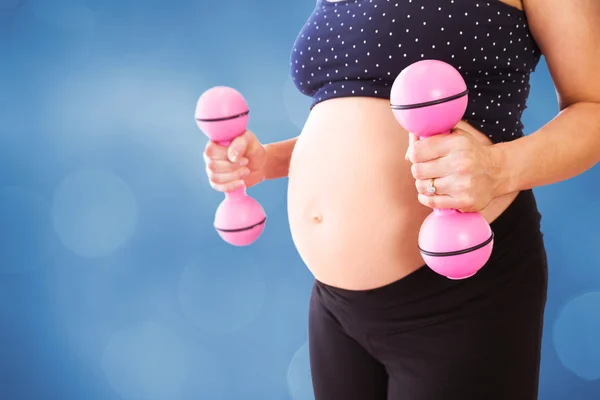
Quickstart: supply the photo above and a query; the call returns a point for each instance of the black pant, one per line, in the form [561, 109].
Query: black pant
[426, 337]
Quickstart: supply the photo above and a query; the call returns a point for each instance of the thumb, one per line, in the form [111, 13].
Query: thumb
[237, 147]
[412, 138]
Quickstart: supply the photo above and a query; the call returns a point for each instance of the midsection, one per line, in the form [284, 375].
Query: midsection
[352, 201]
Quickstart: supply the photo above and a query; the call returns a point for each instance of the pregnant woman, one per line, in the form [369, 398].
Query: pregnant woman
[381, 324]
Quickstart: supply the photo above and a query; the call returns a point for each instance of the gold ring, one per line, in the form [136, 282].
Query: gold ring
[431, 188]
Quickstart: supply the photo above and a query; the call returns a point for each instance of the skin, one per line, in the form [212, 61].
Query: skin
[469, 175]
[332, 170]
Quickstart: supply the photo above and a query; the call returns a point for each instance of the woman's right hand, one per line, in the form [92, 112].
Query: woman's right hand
[242, 162]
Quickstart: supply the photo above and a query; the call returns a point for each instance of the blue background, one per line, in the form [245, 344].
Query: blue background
[113, 283]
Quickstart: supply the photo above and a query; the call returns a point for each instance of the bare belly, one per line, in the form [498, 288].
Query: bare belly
[352, 201]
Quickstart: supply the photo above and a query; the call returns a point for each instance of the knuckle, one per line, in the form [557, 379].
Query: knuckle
[211, 165]
[206, 157]
[430, 201]
[209, 149]
[214, 177]
[463, 185]
[242, 172]
[467, 201]
[419, 186]
[463, 165]
[416, 151]
[249, 136]
[212, 151]
[416, 170]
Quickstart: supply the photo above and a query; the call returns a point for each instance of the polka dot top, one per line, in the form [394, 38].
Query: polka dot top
[358, 47]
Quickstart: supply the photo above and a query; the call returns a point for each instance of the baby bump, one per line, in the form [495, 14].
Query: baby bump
[352, 203]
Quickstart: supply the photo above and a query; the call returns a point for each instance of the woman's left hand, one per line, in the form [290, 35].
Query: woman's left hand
[462, 166]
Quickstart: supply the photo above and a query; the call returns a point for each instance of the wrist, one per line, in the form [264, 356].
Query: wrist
[277, 159]
[270, 165]
[503, 172]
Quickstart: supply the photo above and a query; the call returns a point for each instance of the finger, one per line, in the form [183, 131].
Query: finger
[412, 138]
[238, 146]
[437, 201]
[437, 168]
[227, 187]
[463, 203]
[225, 177]
[221, 166]
[430, 148]
[214, 151]
[442, 186]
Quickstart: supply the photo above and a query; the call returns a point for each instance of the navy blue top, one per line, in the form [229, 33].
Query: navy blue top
[358, 47]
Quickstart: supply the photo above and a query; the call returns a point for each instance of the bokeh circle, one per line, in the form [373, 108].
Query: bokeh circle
[94, 212]
[576, 336]
[146, 361]
[298, 376]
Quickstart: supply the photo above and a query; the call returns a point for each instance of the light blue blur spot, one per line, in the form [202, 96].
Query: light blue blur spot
[94, 213]
[297, 105]
[222, 290]
[211, 376]
[26, 235]
[146, 361]
[298, 376]
[577, 336]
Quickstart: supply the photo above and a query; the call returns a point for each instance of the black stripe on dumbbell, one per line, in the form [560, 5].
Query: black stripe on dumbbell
[223, 118]
[242, 229]
[429, 103]
[457, 252]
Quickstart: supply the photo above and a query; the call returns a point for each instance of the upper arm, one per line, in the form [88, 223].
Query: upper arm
[568, 34]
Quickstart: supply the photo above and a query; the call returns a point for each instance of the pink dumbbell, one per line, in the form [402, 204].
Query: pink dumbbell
[428, 98]
[222, 114]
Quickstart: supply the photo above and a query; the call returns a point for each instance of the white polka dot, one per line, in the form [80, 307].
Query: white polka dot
[94, 213]
[415, 28]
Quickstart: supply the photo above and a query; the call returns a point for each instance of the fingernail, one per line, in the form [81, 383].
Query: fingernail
[234, 156]
[245, 172]
[243, 162]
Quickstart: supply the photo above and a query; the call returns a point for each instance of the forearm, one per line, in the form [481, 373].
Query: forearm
[565, 147]
[278, 158]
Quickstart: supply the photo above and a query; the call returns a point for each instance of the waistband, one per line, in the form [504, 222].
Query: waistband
[517, 238]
